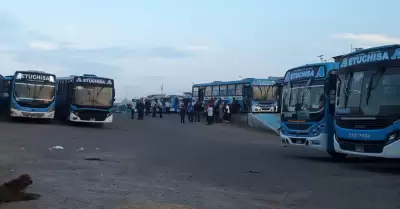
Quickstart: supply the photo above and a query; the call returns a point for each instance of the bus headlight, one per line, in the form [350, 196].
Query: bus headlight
[109, 114]
[393, 137]
[319, 129]
[75, 112]
[51, 109]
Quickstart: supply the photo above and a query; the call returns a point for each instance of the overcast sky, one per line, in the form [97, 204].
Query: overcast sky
[143, 44]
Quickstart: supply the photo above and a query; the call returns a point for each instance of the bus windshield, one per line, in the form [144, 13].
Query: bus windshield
[93, 96]
[264, 93]
[38, 92]
[303, 103]
[374, 92]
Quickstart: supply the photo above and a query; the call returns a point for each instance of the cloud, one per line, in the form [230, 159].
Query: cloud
[43, 45]
[369, 38]
[169, 52]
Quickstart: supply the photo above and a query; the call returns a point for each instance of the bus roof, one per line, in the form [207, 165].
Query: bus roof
[33, 71]
[9, 77]
[372, 49]
[242, 81]
[71, 77]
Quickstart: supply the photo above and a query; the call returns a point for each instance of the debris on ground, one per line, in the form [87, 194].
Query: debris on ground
[251, 171]
[56, 147]
[80, 149]
[99, 159]
[94, 159]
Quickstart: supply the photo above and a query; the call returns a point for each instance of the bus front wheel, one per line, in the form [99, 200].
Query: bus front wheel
[337, 156]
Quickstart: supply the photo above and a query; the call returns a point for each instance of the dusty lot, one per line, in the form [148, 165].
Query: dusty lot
[160, 163]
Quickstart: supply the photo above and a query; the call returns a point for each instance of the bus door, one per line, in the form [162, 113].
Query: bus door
[247, 97]
[201, 94]
[330, 95]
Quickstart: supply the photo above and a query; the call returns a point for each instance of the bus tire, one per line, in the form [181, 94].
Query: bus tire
[337, 156]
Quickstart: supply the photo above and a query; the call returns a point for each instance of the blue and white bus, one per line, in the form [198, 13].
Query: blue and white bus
[253, 95]
[32, 95]
[308, 107]
[367, 119]
[86, 98]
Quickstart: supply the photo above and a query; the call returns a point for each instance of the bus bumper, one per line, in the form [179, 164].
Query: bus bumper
[316, 142]
[389, 151]
[75, 118]
[25, 114]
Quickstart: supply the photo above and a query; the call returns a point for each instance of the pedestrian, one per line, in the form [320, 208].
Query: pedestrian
[197, 111]
[132, 107]
[210, 114]
[154, 108]
[190, 112]
[147, 105]
[217, 104]
[182, 112]
[140, 106]
[167, 107]
[160, 108]
[228, 113]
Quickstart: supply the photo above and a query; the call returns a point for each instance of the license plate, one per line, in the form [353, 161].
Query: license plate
[359, 148]
[92, 119]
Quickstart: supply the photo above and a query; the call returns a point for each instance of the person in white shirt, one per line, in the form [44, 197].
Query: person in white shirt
[167, 107]
[210, 112]
[228, 113]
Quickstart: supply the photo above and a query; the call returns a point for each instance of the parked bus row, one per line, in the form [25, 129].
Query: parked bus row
[346, 107]
[253, 95]
[41, 95]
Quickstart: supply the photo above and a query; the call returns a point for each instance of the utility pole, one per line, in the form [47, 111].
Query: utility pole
[321, 57]
[162, 88]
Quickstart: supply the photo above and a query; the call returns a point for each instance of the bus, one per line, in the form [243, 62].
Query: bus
[32, 95]
[5, 96]
[86, 98]
[368, 103]
[308, 107]
[253, 95]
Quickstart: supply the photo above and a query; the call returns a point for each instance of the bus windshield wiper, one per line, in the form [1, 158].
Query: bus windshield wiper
[40, 90]
[347, 88]
[97, 94]
[374, 81]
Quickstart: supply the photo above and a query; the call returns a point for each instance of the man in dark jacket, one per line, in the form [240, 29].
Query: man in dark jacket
[197, 111]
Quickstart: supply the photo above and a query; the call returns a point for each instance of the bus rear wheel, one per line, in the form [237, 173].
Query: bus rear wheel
[337, 156]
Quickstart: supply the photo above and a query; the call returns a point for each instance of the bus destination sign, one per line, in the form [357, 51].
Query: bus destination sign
[94, 81]
[305, 73]
[35, 77]
[371, 56]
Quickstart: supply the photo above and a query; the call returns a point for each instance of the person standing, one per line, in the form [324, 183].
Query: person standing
[147, 105]
[132, 107]
[160, 108]
[228, 113]
[153, 108]
[210, 114]
[167, 107]
[182, 112]
[197, 111]
[190, 112]
[140, 106]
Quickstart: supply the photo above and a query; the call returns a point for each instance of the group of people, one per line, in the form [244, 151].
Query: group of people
[216, 111]
[147, 106]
